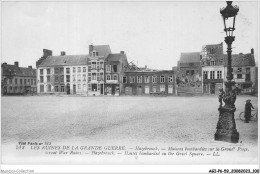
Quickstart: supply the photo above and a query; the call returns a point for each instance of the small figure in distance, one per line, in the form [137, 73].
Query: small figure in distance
[248, 107]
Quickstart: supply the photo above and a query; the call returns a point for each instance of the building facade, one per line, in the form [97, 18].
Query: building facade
[96, 73]
[114, 73]
[212, 63]
[18, 80]
[188, 77]
[147, 82]
[244, 71]
[63, 74]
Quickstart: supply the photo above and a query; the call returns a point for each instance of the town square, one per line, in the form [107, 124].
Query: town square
[142, 83]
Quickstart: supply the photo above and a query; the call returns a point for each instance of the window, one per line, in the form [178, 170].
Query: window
[56, 70]
[94, 76]
[162, 79]
[212, 74]
[132, 79]
[247, 70]
[79, 69]
[41, 71]
[41, 88]
[248, 78]
[84, 69]
[139, 79]
[98, 76]
[239, 76]
[192, 72]
[219, 74]
[212, 63]
[205, 74]
[67, 78]
[146, 79]
[48, 78]
[56, 78]
[48, 71]
[94, 87]
[212, 51]
[154, 79]
[170, 79]
[108, 68]
[187, 72]
[74, 69]
[114, 77]
[101, 65]
[97, 65]
[74, 78]
[62, 70]
[101, 76]
[68, 70]
[41, 79]
[108, 77]
[79, 86]
[62, 78]
[84, 77]
[162, 88]
[79, 78]
[124, 79]
[15, 81]
[114, 68]
[56, 88]
[62, 89]
[93, 65]
[239, 69]
[21, 81]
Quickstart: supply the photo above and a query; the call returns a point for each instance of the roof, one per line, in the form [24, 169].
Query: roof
[190, 57]
[241, 60]
[116, 57]
[67, 60]
[103, 50]
[18, 71]
[151, 71]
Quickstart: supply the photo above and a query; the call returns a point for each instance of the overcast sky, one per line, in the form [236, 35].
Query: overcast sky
[151, 33]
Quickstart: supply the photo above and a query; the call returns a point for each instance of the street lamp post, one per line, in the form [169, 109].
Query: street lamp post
[226, 126]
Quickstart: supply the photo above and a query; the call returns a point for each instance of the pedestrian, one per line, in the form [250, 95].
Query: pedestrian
[248, 107]
[220, 96]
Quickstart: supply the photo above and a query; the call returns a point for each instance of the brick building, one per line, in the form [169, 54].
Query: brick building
[212, 63]
[146, 81]
[114, 72]
[244, 71]
[18, 80]
[188, 77]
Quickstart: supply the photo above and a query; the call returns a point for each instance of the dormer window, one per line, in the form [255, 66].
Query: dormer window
[212, 63]
[94, 53]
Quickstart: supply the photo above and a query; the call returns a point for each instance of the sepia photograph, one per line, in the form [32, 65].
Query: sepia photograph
[130, 83]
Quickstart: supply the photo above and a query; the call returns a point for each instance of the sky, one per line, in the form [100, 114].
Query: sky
[151, 33]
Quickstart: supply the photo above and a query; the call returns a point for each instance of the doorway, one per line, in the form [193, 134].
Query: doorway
[139, 90]
[74, 89]
[68, 89]
[212, 88]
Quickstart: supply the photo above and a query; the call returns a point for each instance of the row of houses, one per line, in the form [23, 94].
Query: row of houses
[205, 72]
[101, 72]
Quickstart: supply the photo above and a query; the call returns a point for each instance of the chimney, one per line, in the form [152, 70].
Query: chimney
[4, 63]
[16, 64]
[91, 48]
[252, 51]
[62, 53]
[47, 53]
[145, 66]
[30, 67]
[122, 52]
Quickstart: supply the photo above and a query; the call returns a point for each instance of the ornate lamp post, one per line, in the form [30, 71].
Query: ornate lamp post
[226, 127]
